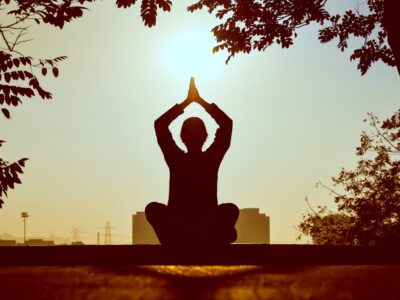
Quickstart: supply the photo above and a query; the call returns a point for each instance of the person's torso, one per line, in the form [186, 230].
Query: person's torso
[193, 182]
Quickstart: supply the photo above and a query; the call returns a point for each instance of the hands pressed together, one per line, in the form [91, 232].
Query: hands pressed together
[193, 96]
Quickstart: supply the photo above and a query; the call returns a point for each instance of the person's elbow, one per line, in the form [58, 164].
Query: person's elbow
[228, 124]
[158, 124]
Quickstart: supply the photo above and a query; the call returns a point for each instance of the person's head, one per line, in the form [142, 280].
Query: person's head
[193, 133]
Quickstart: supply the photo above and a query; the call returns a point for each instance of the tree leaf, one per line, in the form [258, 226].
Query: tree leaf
[149, 12]
[6, 113]
[55, 72]
[7, 77]
[125, 3]
[22, 161]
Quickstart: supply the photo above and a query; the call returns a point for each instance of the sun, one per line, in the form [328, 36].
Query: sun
[189, 53]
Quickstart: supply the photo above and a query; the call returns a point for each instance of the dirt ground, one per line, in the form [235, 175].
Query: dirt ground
[200, 282]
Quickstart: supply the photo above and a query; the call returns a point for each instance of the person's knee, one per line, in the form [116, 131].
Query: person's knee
[232, 236]
[154, 211]
[230, 211]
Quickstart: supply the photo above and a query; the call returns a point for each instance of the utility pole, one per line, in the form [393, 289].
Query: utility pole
[98, 238]
[24, 215]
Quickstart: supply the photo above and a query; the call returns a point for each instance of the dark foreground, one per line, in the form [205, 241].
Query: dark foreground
[200, 282]
[233, 272]
[238, 254]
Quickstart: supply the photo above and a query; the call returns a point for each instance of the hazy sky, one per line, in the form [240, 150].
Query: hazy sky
[93, 152]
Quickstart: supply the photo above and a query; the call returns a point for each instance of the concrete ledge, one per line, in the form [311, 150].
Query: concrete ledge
[238, 254]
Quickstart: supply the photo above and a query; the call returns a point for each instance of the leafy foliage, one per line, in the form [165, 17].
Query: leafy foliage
[17, 71]
[327, 228]
[255, 25]
[53, 12]
[355, 24]
[371, 198]
[18, 76]
[9, 175]
[248, 25]
[148, 9]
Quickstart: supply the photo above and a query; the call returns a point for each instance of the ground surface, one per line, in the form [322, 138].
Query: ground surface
[201, 282]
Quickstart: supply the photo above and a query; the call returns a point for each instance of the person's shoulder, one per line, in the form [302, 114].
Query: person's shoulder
[211, 154]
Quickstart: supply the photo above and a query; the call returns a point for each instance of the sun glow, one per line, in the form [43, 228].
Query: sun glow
[190, 54]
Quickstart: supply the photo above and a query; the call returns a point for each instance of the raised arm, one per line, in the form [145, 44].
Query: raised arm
[164, 136]
[223, 135]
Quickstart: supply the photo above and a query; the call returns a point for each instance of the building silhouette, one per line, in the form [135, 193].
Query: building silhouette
[8, 242]
[38, 242]
[252, 227]
[29, 242]
[142, 232]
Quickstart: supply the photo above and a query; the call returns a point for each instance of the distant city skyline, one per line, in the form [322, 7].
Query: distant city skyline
[20, 240]
[92, 151]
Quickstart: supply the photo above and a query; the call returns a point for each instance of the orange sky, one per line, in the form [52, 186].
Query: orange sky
[93, 153]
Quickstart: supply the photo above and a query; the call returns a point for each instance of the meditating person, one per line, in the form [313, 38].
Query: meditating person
[193, 216]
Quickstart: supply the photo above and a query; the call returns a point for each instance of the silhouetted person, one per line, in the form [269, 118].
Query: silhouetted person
[193, 215]
[391, 22]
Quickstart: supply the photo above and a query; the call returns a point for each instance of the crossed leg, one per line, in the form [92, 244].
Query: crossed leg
[215, 227]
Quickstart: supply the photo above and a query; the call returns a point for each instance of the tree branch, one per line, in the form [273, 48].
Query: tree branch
[5, 40]
[20, 34]
[309, 206]
[329, 189]
[383, 136]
